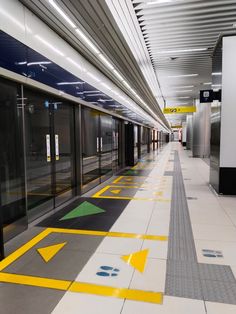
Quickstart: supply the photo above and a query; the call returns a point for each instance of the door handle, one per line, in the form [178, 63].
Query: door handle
[57, 146]
[48, 148]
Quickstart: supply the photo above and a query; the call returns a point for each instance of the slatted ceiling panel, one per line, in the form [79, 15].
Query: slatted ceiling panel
[180, 25]
[94, 17]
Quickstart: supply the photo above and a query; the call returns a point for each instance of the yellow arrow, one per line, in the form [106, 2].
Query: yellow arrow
[48, 252]
[115, 191]
[137, 260]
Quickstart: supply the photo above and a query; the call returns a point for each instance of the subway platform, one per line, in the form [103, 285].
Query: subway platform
[155, 239]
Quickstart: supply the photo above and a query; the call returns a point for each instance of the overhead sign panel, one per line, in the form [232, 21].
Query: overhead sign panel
[176, 110]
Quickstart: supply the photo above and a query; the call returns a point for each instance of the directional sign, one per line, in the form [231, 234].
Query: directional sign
[176, 110]
[137, 260]
[48, 252]
[115, 191]
[84, 209]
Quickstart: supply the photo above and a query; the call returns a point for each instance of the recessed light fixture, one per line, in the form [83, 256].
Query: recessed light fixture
[217, 73]
[183, 91]
[207, 83]
[59, 10]
[38, 63]
[187, 86]
[181, 50]
[182, 75]
[216, 85]
[71, 83]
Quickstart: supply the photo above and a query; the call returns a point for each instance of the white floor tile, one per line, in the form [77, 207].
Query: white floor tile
[158, 249]
[153, 278]
[75, 303]
[171, 305]
[89, 272]
[119, 246]
[220, 308]
[214, 232]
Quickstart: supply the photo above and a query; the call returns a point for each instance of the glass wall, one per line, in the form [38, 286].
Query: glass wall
[13, 204]
[144, 141]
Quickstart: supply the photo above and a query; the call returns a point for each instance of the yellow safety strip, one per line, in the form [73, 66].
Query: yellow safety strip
[83, 287]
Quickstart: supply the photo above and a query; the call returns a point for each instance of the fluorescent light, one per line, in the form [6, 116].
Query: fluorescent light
[104, 100]
[59, 10]
[160, 1]
[216, 85]
[207, 83]
[90, 91]
[105, 61]
[93, 77]
[187, 86]
[183, 91]
[126, 84]
[118, 75]
[94, 95]
[71, 83]
[217, 73]
[38, 63]
[87, 40]
[49, 45]
[75, 64]
[21, 63]
[181, 50]
[182, 75]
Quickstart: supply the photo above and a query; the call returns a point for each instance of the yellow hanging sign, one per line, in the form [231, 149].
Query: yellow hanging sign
[176, 110]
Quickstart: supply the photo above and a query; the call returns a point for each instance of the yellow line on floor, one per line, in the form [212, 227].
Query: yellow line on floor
[83, 287]
[23, 249]
[110, 234]
[132, 198]
[35, 281]
[121, 293]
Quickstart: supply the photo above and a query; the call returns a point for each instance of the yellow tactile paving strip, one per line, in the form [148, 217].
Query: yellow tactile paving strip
[73, 286]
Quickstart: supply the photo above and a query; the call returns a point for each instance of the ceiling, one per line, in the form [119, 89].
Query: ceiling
[94, 18]
[180, 36]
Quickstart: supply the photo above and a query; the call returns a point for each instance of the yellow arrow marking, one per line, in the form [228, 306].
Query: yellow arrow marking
[137, 260]
[115, 191]
[48, 252]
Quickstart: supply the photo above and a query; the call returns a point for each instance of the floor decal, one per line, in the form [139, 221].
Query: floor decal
[211, 253]
[137, 260]
[84, 209]
[48, 252]
[108, 271]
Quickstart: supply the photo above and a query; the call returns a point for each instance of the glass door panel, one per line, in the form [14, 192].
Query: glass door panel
[38, 153]
[90, 148]
[12, 193]
[105, 146]
[63, 139]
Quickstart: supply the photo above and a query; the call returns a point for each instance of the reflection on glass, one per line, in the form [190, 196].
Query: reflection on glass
[38, 148]
[106, 144]
[144, 141]
[135, 143]
[11, 154]
[90, 146]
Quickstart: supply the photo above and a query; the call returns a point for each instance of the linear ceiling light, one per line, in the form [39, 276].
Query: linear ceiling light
[161, 1]
[183, 91]
[59, 10]
[71, 83]
[217, 73]
[182, 75]
[87, 41]
[187, 86]
[181, 50]
[207, 83]
[106, 62]
[38, 63]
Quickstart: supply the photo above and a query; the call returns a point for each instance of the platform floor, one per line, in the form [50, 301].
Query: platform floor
[155, 239]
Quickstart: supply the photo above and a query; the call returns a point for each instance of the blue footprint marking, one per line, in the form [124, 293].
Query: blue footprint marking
[108, 271]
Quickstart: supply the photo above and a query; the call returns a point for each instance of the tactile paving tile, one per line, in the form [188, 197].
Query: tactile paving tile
[183, 287]
[216, 272]
[219, 291]
[185, 277]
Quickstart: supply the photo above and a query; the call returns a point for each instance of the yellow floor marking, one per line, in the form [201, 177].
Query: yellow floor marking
[115, 191]
[83, 287]
[48, 252]
[132, 198]
[121, 293]
[35, 281]
[137, 260]
[23, 249]
[118, 179]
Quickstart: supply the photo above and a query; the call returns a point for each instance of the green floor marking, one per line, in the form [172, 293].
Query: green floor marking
[84, 209]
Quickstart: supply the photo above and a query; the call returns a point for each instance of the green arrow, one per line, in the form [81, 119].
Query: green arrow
[84, 209]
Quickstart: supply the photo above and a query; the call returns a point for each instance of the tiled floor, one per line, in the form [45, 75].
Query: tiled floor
[95, 259]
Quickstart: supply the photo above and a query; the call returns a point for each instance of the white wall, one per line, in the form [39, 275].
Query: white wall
[228, 109]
